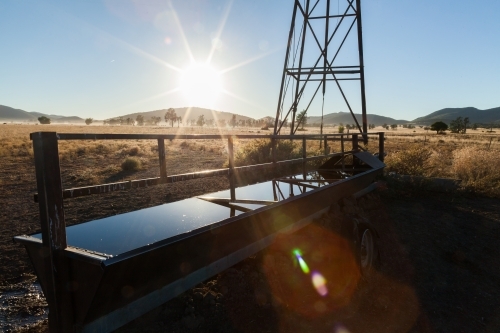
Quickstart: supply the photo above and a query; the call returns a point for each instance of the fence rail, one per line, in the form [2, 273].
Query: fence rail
[230, 171]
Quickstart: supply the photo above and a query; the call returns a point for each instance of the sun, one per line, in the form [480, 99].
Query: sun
[201, 85]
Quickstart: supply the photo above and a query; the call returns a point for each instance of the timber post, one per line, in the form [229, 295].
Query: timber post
[232, 182]
[53, 225]
[162, 160]
[381, 146]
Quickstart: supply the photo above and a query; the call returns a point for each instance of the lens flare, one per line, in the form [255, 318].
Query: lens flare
[319, 282]
[303, 265]
[301, 261]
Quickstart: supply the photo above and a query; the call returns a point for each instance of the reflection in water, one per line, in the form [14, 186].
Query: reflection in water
[121, 233]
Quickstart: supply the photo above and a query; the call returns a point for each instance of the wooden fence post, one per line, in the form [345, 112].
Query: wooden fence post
[53, 225]
[232, 182]
[163, 162]
[273, 154]
[381, 146]
[342, 149]
[355, 142]
[304, 156]
[355, 148]
[326, 145]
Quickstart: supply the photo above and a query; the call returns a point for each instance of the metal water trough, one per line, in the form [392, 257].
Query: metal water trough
[95, 282]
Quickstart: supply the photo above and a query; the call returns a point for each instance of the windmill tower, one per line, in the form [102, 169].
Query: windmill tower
[323, 57]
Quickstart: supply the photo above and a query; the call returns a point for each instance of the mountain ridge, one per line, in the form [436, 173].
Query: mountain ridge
[188, 113]
[448, 114]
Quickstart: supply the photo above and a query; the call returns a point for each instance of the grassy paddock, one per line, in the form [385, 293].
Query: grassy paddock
[472, 157]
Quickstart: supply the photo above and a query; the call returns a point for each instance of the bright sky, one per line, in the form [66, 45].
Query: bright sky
[105, 58]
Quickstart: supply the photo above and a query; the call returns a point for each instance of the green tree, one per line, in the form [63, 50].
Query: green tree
[233, 121]
[89, 121]
[459, 125]
[439, 127]
[155, 120]
[201, 120]
[44, 120]
[341, 129]
[302, 118]
[140, 120]
[170, 116]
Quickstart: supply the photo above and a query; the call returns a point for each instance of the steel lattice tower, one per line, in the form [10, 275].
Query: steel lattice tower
[308, 68]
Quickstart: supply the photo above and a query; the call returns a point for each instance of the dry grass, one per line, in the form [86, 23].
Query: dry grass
[471, 157]
[479, 168]
[411, 161]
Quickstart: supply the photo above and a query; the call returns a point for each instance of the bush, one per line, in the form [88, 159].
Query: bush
[133, 151]
[477, 168]
[131, 164]
[44, 120]
[259, 151]
[409, 162]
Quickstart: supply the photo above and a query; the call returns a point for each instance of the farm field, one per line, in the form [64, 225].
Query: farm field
[439, 267]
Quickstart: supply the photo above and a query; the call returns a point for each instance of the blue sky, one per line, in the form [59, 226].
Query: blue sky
[105, 58]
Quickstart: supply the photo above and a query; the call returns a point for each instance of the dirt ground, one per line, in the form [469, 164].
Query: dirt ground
[439, 267]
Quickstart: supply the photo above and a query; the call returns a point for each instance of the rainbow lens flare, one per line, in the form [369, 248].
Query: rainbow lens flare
[301, 261]
[319, 282]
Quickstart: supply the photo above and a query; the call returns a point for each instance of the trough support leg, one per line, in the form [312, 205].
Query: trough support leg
[56, 273]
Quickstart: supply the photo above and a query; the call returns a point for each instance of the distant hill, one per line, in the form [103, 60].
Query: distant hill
[475, 116]
[447, 115]
[10, 114]
[186, 114]
[346, 118]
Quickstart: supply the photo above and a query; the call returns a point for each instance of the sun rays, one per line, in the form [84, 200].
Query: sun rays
[200, 83]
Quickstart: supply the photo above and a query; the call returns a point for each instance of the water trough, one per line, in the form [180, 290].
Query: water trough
[101, 274]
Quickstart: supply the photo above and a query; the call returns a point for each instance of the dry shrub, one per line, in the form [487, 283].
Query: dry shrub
[131, 164]
[259, 151]
[134, 151]
[101, 149]
[84, 177]
[412, 161]
[478, 168]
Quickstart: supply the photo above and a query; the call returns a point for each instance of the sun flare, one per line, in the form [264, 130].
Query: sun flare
[201, 84]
